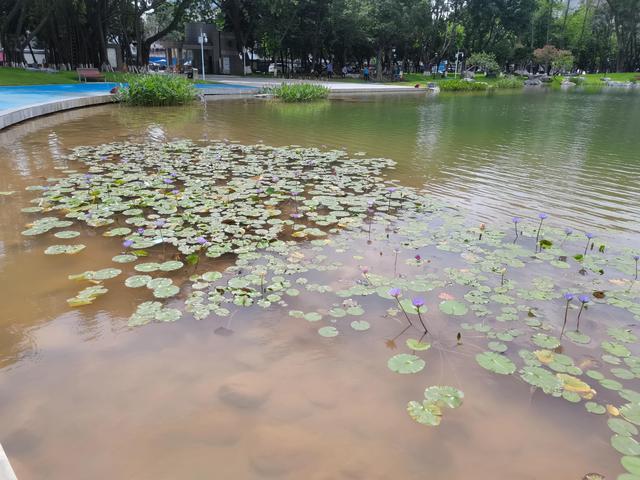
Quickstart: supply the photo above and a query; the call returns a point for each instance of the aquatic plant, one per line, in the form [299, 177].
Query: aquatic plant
[584, 299]
[568, 297]
[542, 217]
[298, 92]
[271, 226]
[636, 258]
[156, 91]
[456, 85]
[589, 237]
[418, 303]
[516, 221]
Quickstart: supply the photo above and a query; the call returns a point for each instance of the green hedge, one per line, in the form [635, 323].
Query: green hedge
[156, 90]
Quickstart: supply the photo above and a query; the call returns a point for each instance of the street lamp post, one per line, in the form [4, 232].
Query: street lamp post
[458, 56]
[202, 39]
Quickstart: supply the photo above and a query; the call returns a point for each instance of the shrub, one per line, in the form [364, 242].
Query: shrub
[509, 82]
[462, 86]
[156, 90]
[299, 92]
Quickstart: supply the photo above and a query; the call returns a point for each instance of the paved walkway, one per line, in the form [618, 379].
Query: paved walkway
[335, 87]
[6, 472]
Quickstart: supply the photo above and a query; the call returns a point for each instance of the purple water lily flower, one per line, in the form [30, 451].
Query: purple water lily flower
[175, 192]
[584, 299]
[160, 222]
[568, 297]
[168, 181]
[395, 292]
[140, 231]
[568, 231]
[201, 240]
[417, 302]
[589, 236]
[541, 216]
[515, 220]
[418, 258]
[636, 258]
[127, 243]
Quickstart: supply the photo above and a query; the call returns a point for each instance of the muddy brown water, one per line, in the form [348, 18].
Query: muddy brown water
[84, 396]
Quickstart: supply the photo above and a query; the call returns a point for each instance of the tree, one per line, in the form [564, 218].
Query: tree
[484, 61]
[549, 56]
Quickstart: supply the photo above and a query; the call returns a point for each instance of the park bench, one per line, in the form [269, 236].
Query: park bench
[90, 74]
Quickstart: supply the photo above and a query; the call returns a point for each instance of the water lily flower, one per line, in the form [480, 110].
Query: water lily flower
[516, 221]
[568, 297]
[584, 299]
[636, 258]
[140, 231]
[168, 181]
[395, 292]
[201, 240]
[589, 236]
[568, 231]
[160, 222]
[417, 302]
[127, 243]
[541, 216]
[418, 258]
[364, 269]
[175, 192]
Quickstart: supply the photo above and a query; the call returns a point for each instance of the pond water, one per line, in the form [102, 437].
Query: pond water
[256, 392]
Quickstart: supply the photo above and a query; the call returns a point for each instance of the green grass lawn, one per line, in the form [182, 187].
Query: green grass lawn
[595, 79]
[19, 76]
[591, 79]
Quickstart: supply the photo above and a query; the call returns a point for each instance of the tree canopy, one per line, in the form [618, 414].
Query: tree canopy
[593, 35]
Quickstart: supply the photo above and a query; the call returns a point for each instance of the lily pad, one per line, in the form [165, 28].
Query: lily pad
[328, 332]
[453, 307]
[425, 413]
[405, 363]
[360, 325]
[496, 362]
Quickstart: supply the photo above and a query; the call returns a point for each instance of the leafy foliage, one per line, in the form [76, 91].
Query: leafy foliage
[156, 91]
[299, 92]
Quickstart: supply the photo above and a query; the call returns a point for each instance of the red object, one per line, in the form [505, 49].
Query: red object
[114, 90]
[417, 85]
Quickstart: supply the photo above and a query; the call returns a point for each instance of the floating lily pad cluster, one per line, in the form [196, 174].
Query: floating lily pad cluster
[292, 221]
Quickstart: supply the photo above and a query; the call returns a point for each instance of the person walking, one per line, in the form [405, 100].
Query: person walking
[365, 73]
[330, 69]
